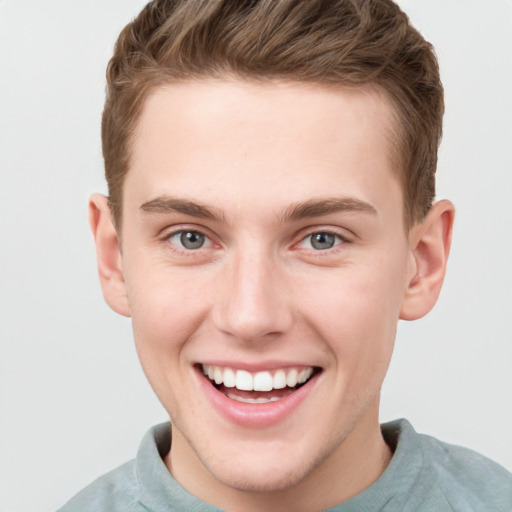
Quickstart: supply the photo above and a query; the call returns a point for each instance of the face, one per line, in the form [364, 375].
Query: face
[263, 245]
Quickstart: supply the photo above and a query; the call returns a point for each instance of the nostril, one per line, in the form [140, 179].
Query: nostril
[252, 305]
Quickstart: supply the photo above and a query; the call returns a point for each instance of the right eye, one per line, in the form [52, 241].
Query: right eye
[189, 240]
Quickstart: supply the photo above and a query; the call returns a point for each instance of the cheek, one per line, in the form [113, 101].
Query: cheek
[356, 311]
[166, 311]
[166, 315]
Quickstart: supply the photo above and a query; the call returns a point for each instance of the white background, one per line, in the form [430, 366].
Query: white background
[73, 401]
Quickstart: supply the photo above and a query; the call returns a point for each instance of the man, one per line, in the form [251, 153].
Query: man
[270, 219]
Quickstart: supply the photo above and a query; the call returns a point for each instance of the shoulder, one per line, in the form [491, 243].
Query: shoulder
[468, 480]
[426, 474]
[115, 491]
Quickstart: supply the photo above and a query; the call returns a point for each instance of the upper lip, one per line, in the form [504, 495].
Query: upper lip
[257, 367]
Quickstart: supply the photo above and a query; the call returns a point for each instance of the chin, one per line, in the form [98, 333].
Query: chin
[279, 469]
[260, 480]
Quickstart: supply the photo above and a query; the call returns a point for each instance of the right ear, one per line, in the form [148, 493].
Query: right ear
[108, 252]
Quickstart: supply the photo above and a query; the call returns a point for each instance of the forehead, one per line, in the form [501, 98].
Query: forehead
[218, 140]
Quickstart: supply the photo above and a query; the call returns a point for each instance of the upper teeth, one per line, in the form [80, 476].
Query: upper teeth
[259, 381]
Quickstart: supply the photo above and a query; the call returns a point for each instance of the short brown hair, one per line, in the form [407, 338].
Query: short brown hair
[341, 42]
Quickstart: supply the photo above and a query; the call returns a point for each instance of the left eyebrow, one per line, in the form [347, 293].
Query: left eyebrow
[317, 208]
[168, 204]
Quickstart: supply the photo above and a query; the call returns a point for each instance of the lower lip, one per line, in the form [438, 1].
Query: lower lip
[255, 415]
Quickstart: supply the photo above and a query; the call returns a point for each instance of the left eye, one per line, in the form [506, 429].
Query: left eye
[321, 241]
[189, 240]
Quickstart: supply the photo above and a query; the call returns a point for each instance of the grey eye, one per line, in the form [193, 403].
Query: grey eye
[192, 239]
[323, 241]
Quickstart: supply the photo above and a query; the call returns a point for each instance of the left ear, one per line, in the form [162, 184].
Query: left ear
[430, 243]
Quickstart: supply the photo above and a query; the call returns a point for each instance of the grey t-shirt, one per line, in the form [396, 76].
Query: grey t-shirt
[424, 475]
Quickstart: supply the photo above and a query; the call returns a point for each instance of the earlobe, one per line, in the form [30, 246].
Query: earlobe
[430, 245]
[108, 252]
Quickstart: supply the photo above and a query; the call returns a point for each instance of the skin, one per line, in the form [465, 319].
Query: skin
[258, 292]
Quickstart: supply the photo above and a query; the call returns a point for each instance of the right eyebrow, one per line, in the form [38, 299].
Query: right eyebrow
[167, 204]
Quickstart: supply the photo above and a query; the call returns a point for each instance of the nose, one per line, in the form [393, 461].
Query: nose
[252, 304]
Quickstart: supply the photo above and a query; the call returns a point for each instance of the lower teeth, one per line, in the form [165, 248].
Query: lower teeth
[252, 400]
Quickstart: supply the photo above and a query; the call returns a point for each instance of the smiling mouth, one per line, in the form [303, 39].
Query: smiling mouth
[258, 387]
